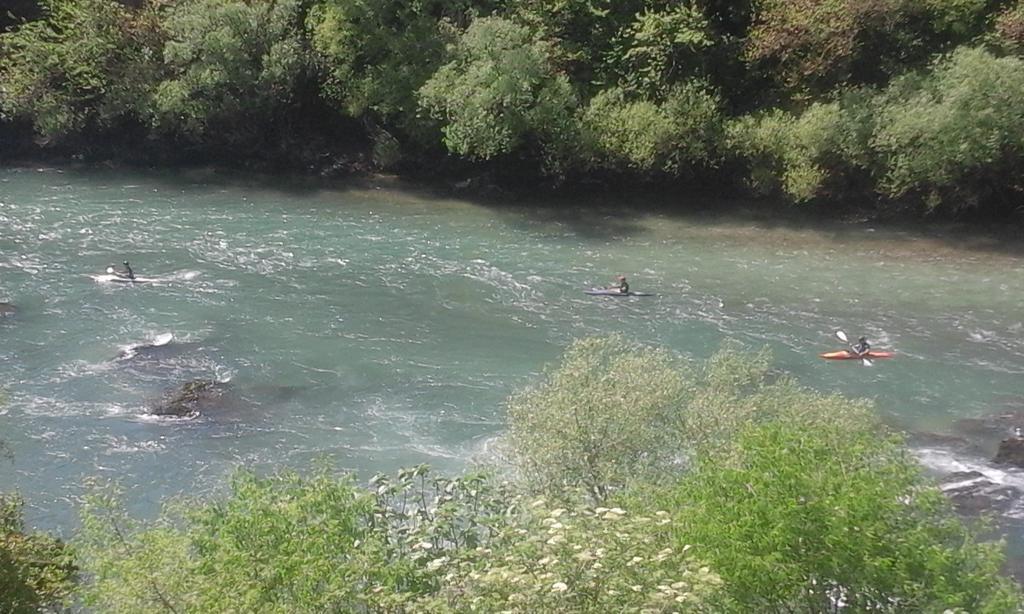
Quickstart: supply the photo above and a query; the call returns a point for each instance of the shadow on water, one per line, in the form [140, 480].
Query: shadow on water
[615, 214]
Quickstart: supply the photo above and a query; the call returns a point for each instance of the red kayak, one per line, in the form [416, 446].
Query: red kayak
[848, 355]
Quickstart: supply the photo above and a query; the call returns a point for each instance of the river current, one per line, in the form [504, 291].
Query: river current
[378, 327]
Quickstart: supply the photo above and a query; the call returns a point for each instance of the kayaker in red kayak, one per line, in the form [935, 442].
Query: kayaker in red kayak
[861, 348]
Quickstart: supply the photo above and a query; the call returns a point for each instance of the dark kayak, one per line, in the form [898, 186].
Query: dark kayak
[606, 292]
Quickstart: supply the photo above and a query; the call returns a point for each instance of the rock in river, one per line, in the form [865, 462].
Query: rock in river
[972, 492]
[193, 398]
[7, 309]
[1011, 452]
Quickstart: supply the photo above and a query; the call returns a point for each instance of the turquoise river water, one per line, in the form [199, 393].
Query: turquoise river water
[378, 327]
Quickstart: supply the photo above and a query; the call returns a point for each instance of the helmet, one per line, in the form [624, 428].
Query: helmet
[862, 340]
[620, 277]
[126, 263]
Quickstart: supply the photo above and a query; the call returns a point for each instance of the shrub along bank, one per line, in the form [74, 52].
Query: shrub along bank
[906, 104]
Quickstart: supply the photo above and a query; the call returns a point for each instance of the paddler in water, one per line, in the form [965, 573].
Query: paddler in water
[127, 272]
[620, 285]
[862, 347]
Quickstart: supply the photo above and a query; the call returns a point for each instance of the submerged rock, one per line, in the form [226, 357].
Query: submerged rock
[991, 426]
[7, 309]
[193, 398]
[973, 493]
[1011, 452]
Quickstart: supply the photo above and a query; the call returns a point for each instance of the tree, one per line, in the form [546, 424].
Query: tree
[287, 543]
[822, 151]
[816, 45]
[678, 136]
[37, 570]
[375, 56]
[500, 92]
[599, 421]
[951, 136]
[577, 559]
[815, 517]
[235, 70]
[662, 47]
[1010, 27]
[88, 65]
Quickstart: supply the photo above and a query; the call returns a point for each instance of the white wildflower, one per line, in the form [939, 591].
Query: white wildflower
[559, 587]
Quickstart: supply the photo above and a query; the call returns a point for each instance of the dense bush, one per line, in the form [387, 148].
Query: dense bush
[852, 521]
[579, 559]
[36, 570]
[88, 65]
[500, 91]
[823, 99]
[233, 69]
[287, 544]
[677, 136]
[599, 420]
[954, 135]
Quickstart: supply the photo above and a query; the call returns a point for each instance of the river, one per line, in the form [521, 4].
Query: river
[378, 327]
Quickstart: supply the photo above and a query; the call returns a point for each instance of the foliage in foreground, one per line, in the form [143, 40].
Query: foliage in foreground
[801, 518]
[36, 570]
[797, 500]
[415, 544]
[735, 491]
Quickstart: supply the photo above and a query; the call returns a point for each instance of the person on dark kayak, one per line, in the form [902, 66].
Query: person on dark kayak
[862, 346]
[127, 271]
[620, 285]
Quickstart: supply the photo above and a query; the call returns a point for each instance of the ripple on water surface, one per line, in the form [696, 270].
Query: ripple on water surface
[380, 328]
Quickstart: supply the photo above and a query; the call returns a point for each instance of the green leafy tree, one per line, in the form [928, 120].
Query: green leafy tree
[951, 137]
[678, 136]
[821, 151]
[375, 56]
[815, 45]
[87, 65]
[499, 93]
[235, 70]
[599, 421]
[811, 516]
[661, 48]
[36, 570]
[580, 33]
[577, 559]
[288, 544]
